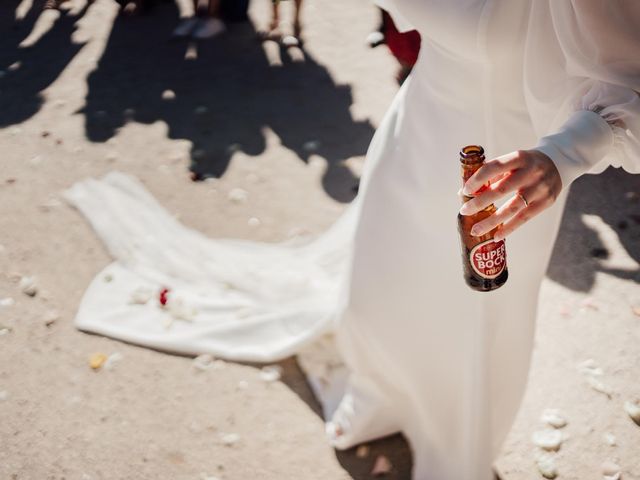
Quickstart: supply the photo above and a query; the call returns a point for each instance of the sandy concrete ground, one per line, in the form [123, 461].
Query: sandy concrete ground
[292, 129]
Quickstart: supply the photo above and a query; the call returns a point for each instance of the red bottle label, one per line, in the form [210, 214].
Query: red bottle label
[488, 259]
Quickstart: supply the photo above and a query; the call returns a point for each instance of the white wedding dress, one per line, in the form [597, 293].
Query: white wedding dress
[423, 354]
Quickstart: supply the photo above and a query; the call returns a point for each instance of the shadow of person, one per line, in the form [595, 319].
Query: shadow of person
[223, 99]
[612, 198]
[27, 71]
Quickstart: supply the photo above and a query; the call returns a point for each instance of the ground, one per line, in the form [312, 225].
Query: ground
[98, 93]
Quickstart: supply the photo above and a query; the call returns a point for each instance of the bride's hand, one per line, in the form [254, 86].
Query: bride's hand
[528, 176]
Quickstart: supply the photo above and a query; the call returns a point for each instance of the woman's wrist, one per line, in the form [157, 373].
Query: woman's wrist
[582, 142]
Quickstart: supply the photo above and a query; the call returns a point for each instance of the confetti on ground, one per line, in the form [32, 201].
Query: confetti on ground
[230, 439]
[7, 302]
[554, 418]
[610, 439]
[547, 439]
[96, 361]
[271, 373]
[28, 286]
[547, 466]
[611, 470]
[382, 466]
[203, 362]
[633, 410]
[362, 451]
[112, 359]
[238, 195]
[51, 317]
[598, 386]
[168, 95]
[253, 222]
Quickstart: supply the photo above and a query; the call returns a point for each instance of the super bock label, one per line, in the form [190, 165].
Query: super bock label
[489, 258]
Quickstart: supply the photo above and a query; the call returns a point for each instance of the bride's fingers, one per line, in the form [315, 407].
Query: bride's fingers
[522, 217]
[493, 169]
[513, 182]
[513, 206]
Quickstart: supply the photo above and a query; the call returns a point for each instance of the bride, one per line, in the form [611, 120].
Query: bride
[549, 88]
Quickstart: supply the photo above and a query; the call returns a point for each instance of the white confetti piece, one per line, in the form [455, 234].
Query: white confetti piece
[271, 373]
[140, 296]
[382, 466]
[633, 410]
[547, 439]
[238, 195]
[28, 286]
[553, 417]
[547, 466]
[203, 362]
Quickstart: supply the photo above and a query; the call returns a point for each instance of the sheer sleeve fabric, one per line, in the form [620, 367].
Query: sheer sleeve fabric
[582, 78]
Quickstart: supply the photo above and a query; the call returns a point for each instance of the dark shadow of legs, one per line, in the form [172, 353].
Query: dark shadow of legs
[27, 71]
[614, 196]
[224, 98]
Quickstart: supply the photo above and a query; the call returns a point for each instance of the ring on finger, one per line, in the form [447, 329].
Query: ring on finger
[522, 197]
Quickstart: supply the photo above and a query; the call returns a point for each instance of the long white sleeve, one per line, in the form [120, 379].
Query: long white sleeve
[582, 78]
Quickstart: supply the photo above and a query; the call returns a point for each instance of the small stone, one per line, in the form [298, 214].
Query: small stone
[271, 373]
[4, 330]
[381, 466]
[610, 439]
[598, 386]
[311, 146]
[633, 410]
[3, 395]
[238, 195]
[201, 110]
[203, 362]
[7, 302]
[28, 286]
[168, 95]
[548, 439]
[230, 439]
[554, 418]
[51, 317]
[96, 360]
[253, 222]
[112, 359]
[547, 466]
[140, 296]
[363, 451]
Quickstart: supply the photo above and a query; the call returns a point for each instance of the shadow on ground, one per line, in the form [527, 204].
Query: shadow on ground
[27, 71]
[579, 252]
[224, 98]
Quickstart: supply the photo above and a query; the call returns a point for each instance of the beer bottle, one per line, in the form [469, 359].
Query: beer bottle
[484, 261]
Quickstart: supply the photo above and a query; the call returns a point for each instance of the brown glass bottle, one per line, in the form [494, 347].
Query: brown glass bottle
[484, 260]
